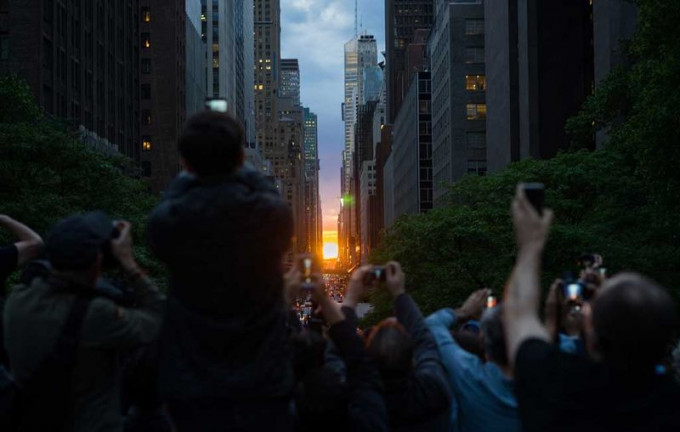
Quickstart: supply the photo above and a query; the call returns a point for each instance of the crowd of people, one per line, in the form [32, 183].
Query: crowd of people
[224, 348]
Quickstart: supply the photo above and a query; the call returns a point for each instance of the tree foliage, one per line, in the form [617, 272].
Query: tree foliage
[621, 201]
[47, 173]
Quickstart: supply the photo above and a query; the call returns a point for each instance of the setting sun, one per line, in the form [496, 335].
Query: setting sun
[330, 250]
[330, 245]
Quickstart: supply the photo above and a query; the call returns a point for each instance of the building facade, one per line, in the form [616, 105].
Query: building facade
[532, 92]
[412, 149]
[402, 19]
[456, 49]
[290, 80]
[81, 59]
[312, 199]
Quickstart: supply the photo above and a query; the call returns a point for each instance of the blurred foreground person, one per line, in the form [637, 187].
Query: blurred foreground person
[64, 340]
[28, 246]
[223, 230]
[628, 329]
[324, 399]
[416, 388]
[484, 398]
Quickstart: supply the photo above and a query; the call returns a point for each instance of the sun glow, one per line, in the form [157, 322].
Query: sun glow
[330, 251]
[330, 245]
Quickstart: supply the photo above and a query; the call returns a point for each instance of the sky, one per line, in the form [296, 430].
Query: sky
[315, 32]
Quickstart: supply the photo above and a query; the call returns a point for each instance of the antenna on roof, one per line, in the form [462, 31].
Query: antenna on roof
[356, 18]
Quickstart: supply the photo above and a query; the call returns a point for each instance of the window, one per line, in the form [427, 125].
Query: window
[476, 145]
[474, 27]
[146, 40]
[146, 66]
[146, 15]
[477, 167]
[146, 143]
[476, 111]
[146, 91]
[146, 117]
[475, 82]
[474, 55]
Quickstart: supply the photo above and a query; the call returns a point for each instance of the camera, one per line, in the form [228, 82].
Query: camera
[377, 273]
[491, 302]
[216, 104]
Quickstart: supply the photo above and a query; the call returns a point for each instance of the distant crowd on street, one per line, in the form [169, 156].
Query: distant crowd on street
[224, 349]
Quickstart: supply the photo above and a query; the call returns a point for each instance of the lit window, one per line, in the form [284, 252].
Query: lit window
[476, 111]
[216, 63]
[203, 18]
[146, 40]
[146, 143]
[146, 15]
[475, 82]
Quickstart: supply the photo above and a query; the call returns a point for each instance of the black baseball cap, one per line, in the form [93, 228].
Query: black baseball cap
[74, 242]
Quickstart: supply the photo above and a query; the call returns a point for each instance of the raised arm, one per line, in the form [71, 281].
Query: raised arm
[29, 244]
[522, 294]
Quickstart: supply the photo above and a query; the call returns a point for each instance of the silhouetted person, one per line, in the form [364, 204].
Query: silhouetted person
[631, 324]
[223, 230]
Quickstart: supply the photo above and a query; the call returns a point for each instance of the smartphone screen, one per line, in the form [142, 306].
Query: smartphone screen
[535, 193]
[491, 302]
[219, 105]
[574, 291]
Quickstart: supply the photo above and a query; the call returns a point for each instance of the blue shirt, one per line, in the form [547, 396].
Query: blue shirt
[484, 399]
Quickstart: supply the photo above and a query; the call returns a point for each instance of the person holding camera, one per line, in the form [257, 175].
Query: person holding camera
[628, 328]
[351, 401]
[484, 398]
[416, 388]
[64, 340]
[223, 230]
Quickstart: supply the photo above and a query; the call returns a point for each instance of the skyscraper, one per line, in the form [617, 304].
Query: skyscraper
[360, 53]
[290, 80]
[312, 200]
[227, 29]
[456, 50]
[402, 19]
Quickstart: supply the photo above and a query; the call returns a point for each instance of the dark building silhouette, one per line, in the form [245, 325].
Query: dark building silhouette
[81, 59]
[402, 19]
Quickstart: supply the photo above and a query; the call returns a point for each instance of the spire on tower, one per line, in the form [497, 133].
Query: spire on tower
[356, 18]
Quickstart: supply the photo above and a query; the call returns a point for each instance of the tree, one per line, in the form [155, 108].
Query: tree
[47, 173]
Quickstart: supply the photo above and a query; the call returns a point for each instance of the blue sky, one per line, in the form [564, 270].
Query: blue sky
[315, 32]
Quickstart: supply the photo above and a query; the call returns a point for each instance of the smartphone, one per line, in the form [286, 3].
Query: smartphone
[574, 291]
[491, 302]
[535, 193]
[216, 104]
[306, 267]
[603, 272]
[380, 273]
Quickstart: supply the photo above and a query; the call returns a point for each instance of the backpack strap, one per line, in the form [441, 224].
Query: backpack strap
[66, 349]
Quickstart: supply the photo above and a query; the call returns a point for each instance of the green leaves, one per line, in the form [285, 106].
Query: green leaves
[46, 173]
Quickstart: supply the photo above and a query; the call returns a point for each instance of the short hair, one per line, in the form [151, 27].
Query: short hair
[634, 321]
[212, 143]
[494, 336]
[391, 348]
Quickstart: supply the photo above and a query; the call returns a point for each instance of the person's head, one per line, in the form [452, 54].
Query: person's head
[77, 245]
[391, 348]
[494, 336]
[212, 144]
[634, 321]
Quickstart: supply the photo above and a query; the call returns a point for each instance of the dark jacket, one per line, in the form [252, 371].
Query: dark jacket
[34, 317]
[366, 409]
[422, 400]
[225, 332]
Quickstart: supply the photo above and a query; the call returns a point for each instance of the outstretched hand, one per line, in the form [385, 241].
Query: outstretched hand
[473, 306]
[396, 284]
[329, 308]
[531, 228]
[121, 247]
[357, 288]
